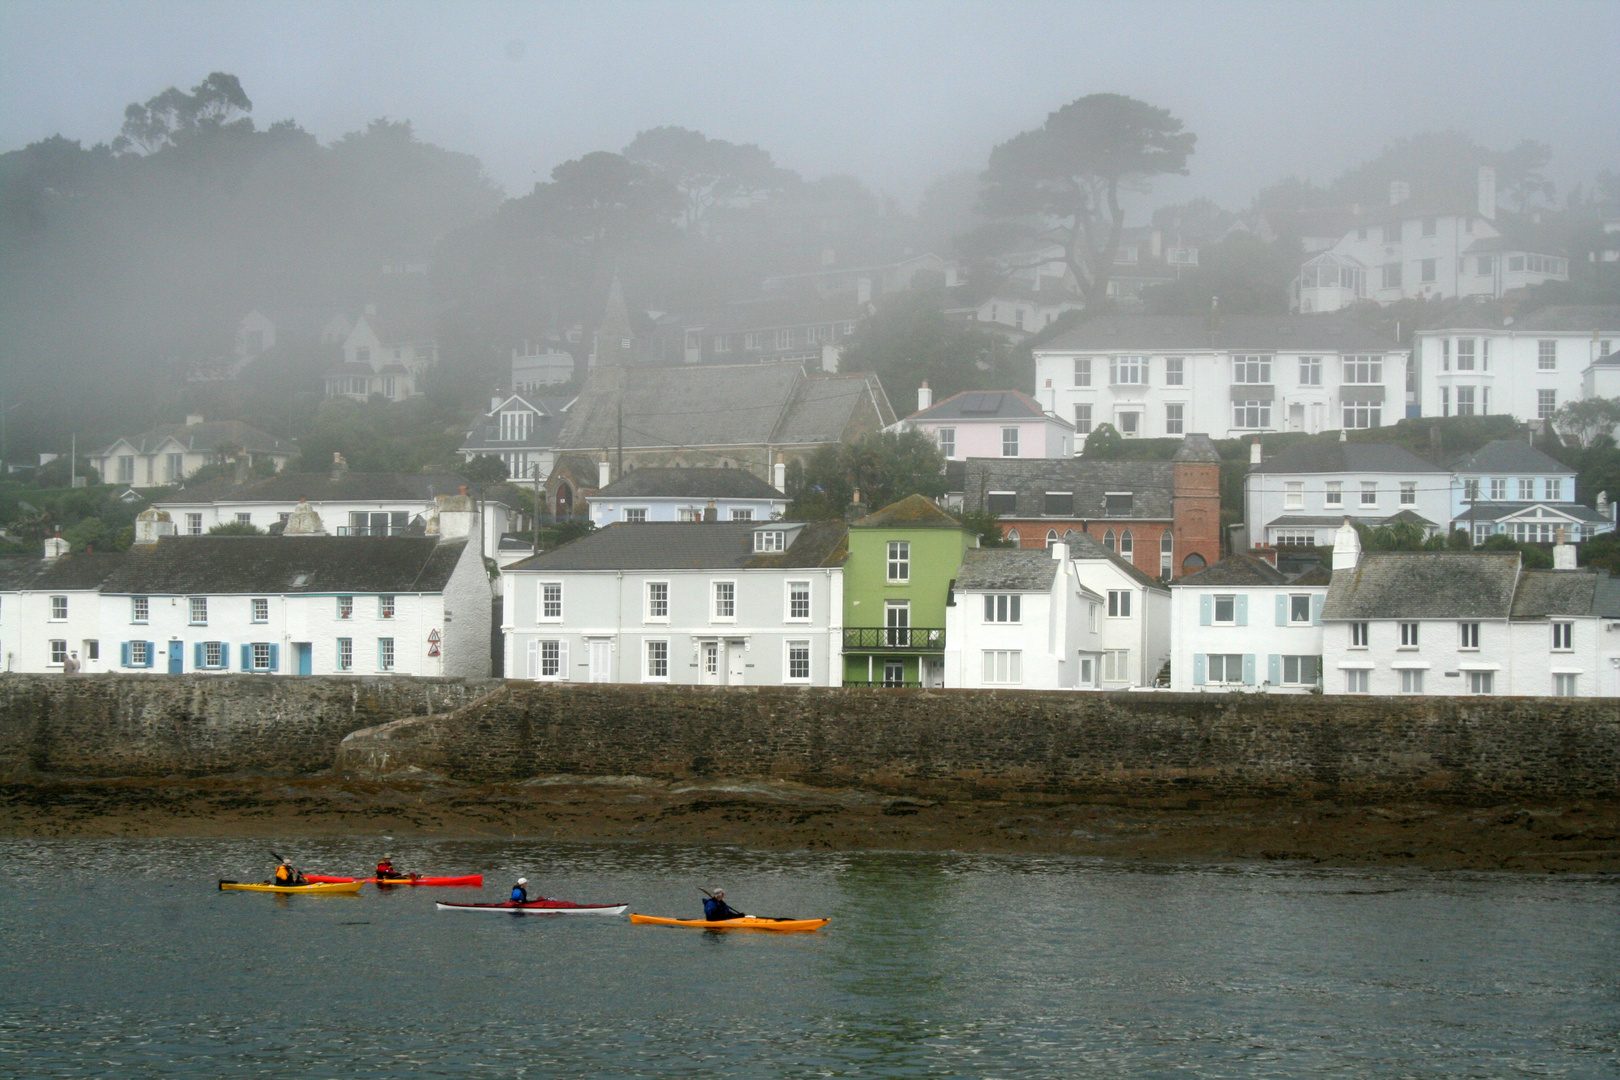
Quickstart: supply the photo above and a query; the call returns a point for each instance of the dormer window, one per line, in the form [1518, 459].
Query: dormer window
[1119, 503]
[770, 540]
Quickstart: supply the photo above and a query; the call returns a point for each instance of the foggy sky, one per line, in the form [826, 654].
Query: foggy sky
[895, 93]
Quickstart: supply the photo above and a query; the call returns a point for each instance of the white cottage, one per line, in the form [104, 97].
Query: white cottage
[1133, 624]
[660, 494]
[1020, 618]
[169, 453]
[1242, 625]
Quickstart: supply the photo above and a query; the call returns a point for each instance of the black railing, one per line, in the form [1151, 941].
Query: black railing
[371, 530]
[894, 638]
[884, 685]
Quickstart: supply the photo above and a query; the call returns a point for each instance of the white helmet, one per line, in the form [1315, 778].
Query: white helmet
[523, 881]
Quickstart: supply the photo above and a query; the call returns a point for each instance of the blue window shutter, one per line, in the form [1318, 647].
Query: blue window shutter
[247, 658]
[224, 655]
[1274, 669]
[1282, 610]
[1206, 610]
[1316, 608]
[1198, 666]
[275, 657]
[1248, 669]
[197, 656]
[1242, 606]
[151, 653]
[123, 653]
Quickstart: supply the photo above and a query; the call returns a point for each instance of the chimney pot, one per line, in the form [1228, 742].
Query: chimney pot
[925, 397]
[603, 474]
[1254, 451]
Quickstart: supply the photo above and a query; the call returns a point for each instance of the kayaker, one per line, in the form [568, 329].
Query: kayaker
[385, 869]
[520, 894]
[715, 907]
[287, 874]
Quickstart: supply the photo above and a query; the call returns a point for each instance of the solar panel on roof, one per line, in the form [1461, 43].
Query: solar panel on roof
[982, 403]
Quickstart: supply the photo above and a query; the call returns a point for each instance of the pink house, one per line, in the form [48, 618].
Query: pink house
[991, 423]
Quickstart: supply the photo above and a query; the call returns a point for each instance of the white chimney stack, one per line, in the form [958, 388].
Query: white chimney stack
[1346, 547]
[1254, 452]
[193, 419]
[454, 516]
[495, 400]
[152, 525]
[779, 474]
[1060, 551]
[604, 473]
[56, 547]
[1487, 193]
[925, 397]
[1563, 553]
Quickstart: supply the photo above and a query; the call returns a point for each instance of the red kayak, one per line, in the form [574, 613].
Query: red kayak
[538, 907]
[470, 881]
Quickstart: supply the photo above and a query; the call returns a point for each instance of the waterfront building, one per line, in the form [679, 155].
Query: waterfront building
[1022, 619]
[726, 603]
[985, 423]
[169, 453]
[50, 608]
[1302, 494]
[1134, 628]
[1509, 487]
[1240, 625]
[654, 494]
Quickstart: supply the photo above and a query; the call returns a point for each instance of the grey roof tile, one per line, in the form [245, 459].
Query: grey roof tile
[1151, 484]
[655, 483]
[1512, 457]
[1235, 570]
[1083, 546]
[1011, 569]
[1572, 318]
[324, 487]
[680, 545]
[1342, 457]
[292, 564]
[1115, 333]
[1544, 593]
[983, 405]
[1425, 585]
[210, 435]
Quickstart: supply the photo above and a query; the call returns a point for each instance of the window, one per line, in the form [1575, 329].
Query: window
[1363, 370]
[1167, 552]
[1127, 545]
[897, 623]
[1226, 611]
[174, 467]
[550, 660]
[1546, 403]
[1251, 370]
[1482, 682]
[1059, 504]
[551, 600]
[1408, 492]
[1409, 635]
[899, 560]
[722, 343]
[1082, 371]
[739, 514]
[751, 341]
[1299, 608]
[1392, 233]
[59, 652]
[1356, 680]
[1174, 424]
[1363, 414]
[725, 600]
[947, 442]
[1130, 424]
[1119, 603]
[657, 665]
[770, 540]
[1369, 493]
[1082, 419]
[199, 611]
[1546, 356]
[1294, 538]
[1002, 607]
[1426, 269]
[658, 600]
[1175, 371]
[140, 653]
[261, 609]
[1392, 275]
[345, 605]
[139, 609]
[1294, 495]
[1487, 265]
[1128, 370]
[385, 654]
[636, 513]
[1300, 670]
[1224, 668]
[1564, 685]
[1465, 401]
[1001, 502]
[1310, 371]
[1465, 354]
[1108, 539]
[1554, 487]
[1001, 666]
[1469, 635]
[193, 524]
[1527, 490]
[1445, 401]
[784, 339]
[1358, 635]
[798, 661]
[798, 606]
[1563, 636]
[345, 654]
[1334, 493]
[1009, 442]
[1251, 414]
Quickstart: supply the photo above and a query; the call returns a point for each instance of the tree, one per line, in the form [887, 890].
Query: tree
[1443, 167]
[1104, 444]
[236, 528]
[1244, 273]
[216, 104]
[1063, 179]
[485, 469]
[884, 467]
[909, 340]
[984, 523]
[603, 199]
[707, 171]
[1587, 420]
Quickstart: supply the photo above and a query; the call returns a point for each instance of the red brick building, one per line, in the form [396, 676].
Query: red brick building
[1162, 516]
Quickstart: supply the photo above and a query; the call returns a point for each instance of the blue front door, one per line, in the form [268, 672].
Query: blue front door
[302, 649]
[177, 655]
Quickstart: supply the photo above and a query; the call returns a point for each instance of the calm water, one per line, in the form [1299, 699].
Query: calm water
[122, 960]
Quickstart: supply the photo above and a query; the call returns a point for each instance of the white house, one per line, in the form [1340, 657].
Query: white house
[723, 603]
[537, 366]
[990, 423]
[1026, 309]
[1133, 623]
[1161, 376]
[1305, 492]
[660, 494]
[1020, 618]
[520, 430]
[1411, 250]
[169, 453]
[1508, 486]
[1525, 368]
[1242, 625]
[50, 609]
[384, 355]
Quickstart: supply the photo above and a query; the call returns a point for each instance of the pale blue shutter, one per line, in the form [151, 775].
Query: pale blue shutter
[247, 658]
[1242, 606]
[224, 656]
[197, 656]
[1274, 669]
[1248, 669]
[123, 653]
[1206, 611]
[151, 653]
[1316, 608]
[1198, 666]
[1282, 610]
[275, 657]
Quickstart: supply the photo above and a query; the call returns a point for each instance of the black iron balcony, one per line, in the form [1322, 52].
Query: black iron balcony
[894, 639]
[884, 684]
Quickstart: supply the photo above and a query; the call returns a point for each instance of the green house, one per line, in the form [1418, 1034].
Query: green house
[902, 560]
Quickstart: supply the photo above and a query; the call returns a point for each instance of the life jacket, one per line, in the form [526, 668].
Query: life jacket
[284, 875]
[386, 870]
[520, 895]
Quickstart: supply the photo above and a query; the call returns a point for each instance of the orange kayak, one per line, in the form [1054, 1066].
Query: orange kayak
[471, 881]
[747, 922]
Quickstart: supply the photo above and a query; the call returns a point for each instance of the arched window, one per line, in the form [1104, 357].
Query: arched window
[1167, 554]
[1108, 539]
[1127, 544]
[565, 499]
[1193, 562]
[1051, 538]
[1013, 537]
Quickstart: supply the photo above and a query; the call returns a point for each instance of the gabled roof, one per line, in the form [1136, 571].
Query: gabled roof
[1234, 570]
[1510, 457]
[1545, 593]
[687, 545]
[1011, 569]
[1502, 511]
[208, 436]
[1194, 333]
[400, 326]
[1151, 484]
[1346, 457]
[1084, 547]
[1425, 585]
[986, 405]
[76, 572]
[660, 483]
[237, 565]
[911, 512]
[543, 433]
[319, 487]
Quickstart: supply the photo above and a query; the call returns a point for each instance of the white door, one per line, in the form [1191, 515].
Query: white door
[601, 661]
[710, 663]
[734, 663]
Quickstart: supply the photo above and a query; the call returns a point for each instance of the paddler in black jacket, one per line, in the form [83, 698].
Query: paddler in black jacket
[716, 909]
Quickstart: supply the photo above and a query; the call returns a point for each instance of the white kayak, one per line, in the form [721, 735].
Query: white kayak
[537, 907]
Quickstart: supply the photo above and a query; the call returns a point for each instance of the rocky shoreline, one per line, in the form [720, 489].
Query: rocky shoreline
[1566, 837]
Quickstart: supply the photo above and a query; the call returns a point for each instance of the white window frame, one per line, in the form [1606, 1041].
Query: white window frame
[742, 513]
[140, 610]
[1003, 608]
[59, 609]
[898, 563]
[1175, 421]
[1411, 680]
[788, 649]
[139, 654]
[1215, 609]
[1333, 493]
[1119, 603]
[1293, 495]
[1116, 665]
[1565, 684]
[1294, 616]
[1310, 371]
[1009, 442]
[651, 602]
[543, 600]
[559, 648]
[650, 662]
[387, 655]
[1082, 371]
[1251, 370]
[947, 442]
[1410, 635]
[1547, 355]
[634, 514]
[1357, 680]
[723, 600]
[1002, 667]
[1128, 371]
[789, 588]
[770, 540]
[1481, 683]
[345, 608]
[260, 606]
[1360, 634]
[1468, 636]
[194, 605]
[1082, 419]
[1226, 677]
[1369, 493]
[345, 654]
[1175, 371]
[1563, 636]
[1408, 492]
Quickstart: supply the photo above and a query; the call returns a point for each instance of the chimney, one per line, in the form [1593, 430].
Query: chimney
[193, 419]
[1487, 193]
[604, 473]
[1344, 435]
[454, 516]
[1346, 547]
[1563, 553]
[855, 510]
[1399, 192]
[710, 513]
[340, 465]
[55, 548]
[303, 521]
[925, 397]
[779, 474]
[151, 525]
[863, 291]
[1060, 551]
[1254, 451]
[1266, 555]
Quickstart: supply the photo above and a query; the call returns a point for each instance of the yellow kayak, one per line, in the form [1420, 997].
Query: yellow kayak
[748, 922]
[341, 888]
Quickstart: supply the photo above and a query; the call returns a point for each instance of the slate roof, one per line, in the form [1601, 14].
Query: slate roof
[274, 564]
[766, 313]
[543, 432]
[1319, 521]
[1010, 569]
[1572, 318]
[660, 483]
[323, 487]
[209, 436]
[1544, 593]
[1151, 483]
[1193, 333]
[911, 512]
[986, 405]
[1319, 574]
[1509, 457]
[1345, 457]
[1497, 511]
[686, 545]
[1197, 447]
[1235, 570]
[70, 573]
[1425, 585]
[1085, 546]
